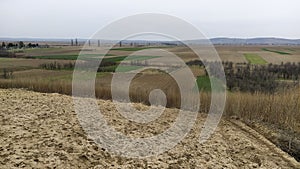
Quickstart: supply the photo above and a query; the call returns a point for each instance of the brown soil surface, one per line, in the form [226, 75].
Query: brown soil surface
[42, 131]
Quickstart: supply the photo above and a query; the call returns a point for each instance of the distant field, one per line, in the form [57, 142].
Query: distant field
[54, 76]
[66, 57]
[120, 68]
[67, 54]
[255, 59]
[50, 51]
[129, 49]
[110, 59]
[25, 64]
[134, 48]
[204, 83]
[230, 56]
[277, 51]
[121, 58]
[126, 68]
[233, 54]
[123, 68]
[141, 57]
[41, 74]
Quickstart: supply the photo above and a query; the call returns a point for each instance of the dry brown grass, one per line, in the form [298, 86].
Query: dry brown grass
[17, 64]
[282, 108]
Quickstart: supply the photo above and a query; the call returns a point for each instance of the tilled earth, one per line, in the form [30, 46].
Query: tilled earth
[42, 131]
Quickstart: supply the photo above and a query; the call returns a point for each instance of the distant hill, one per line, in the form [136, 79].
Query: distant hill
[255, 41]
[34, 39]
[215, 41]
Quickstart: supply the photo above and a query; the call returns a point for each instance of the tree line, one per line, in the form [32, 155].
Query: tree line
[18, 45]
[251, 78]
[57, 66]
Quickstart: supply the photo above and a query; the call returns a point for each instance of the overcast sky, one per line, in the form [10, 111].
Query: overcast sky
[215, 18]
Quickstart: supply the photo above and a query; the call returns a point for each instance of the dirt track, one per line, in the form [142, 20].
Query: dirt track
[42, 131]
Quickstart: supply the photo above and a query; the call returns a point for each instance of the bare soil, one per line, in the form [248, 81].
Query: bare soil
[42, 131]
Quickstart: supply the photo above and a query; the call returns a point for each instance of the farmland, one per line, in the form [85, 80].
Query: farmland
[255, 59]
[65, 57]
[149, 84]
[134, 48]
[257, 82]
[60, 136]
[277, 51]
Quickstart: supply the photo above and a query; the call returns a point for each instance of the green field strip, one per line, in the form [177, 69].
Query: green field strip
[255, 59]
[276, 51]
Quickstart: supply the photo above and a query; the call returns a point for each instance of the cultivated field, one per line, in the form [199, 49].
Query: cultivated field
[60, 142]
[255, 59]
[252, 97]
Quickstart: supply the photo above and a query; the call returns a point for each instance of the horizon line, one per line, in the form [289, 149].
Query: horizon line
[85, 38]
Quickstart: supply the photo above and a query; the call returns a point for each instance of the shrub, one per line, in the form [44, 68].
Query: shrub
[7, 74]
